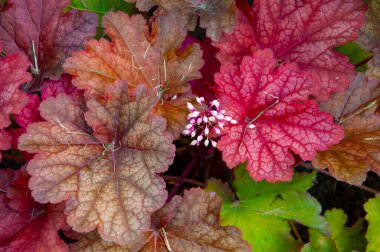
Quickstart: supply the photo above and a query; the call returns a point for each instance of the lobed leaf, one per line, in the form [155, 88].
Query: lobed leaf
[303, 32]
[274, 102]
[191, 223]
[262, 210]
[340, 239]
[103, 162]
[154, 59]
[55, 35]
[373, 218]
[359, 151]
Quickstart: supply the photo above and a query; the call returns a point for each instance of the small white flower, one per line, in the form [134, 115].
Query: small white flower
[199, 138]
[194, 114]
[200, 99]
[220, 116]
[190, 106]
[206, 142]
[194, 142]
[215, 103]
[217, 131]
[233, 121]
[211, 119]
[174, 97]
[193, 134]
[189, 126]
[214, 113]
[186, 132]
[207, 131]
[251, 126]
[205, 119]
[213, 143]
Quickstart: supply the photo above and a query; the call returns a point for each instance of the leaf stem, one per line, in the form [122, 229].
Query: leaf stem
[359, 110]
[188, 181]
[184, 174]
[295, 231]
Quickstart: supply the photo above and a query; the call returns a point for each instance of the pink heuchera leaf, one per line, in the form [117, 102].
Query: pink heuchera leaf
[299, 31]
[27, 225]
[274, 117]
[13, 74]
[55, 35]
[102, 159]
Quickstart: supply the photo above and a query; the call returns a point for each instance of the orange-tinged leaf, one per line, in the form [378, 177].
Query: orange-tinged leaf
[154, 59]
[103, 162]
[216, 16]
[185, 224]
[359, 151]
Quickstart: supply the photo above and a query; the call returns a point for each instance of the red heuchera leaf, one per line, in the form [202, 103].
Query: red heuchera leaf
[52, 88]
[204, 87]
[275, 102]
[29, 113]
[155, 59]
[27, 225]
[190, 223]
[103, 162]
[55, 35]
[13, 74]
[299, 31]
[215, 16]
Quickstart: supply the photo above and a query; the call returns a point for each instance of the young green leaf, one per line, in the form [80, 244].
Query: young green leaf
[262, 210]
[101, 7]
[373, 217]
[341, 239]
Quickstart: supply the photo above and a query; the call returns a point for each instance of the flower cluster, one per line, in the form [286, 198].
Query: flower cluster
[205, 120]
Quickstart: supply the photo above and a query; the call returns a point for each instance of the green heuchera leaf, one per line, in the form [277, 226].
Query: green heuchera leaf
[319, 243]
[103, 6]
[355, 53]
[262, 210]
[346, 238]
[342, 238]
[373, 217]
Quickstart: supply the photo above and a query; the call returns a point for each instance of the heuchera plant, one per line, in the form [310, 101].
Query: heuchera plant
[120, 122]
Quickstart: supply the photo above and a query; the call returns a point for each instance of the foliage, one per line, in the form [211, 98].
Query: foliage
[264, 140]
[372, 208]
[111, 112]
[267, 206]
